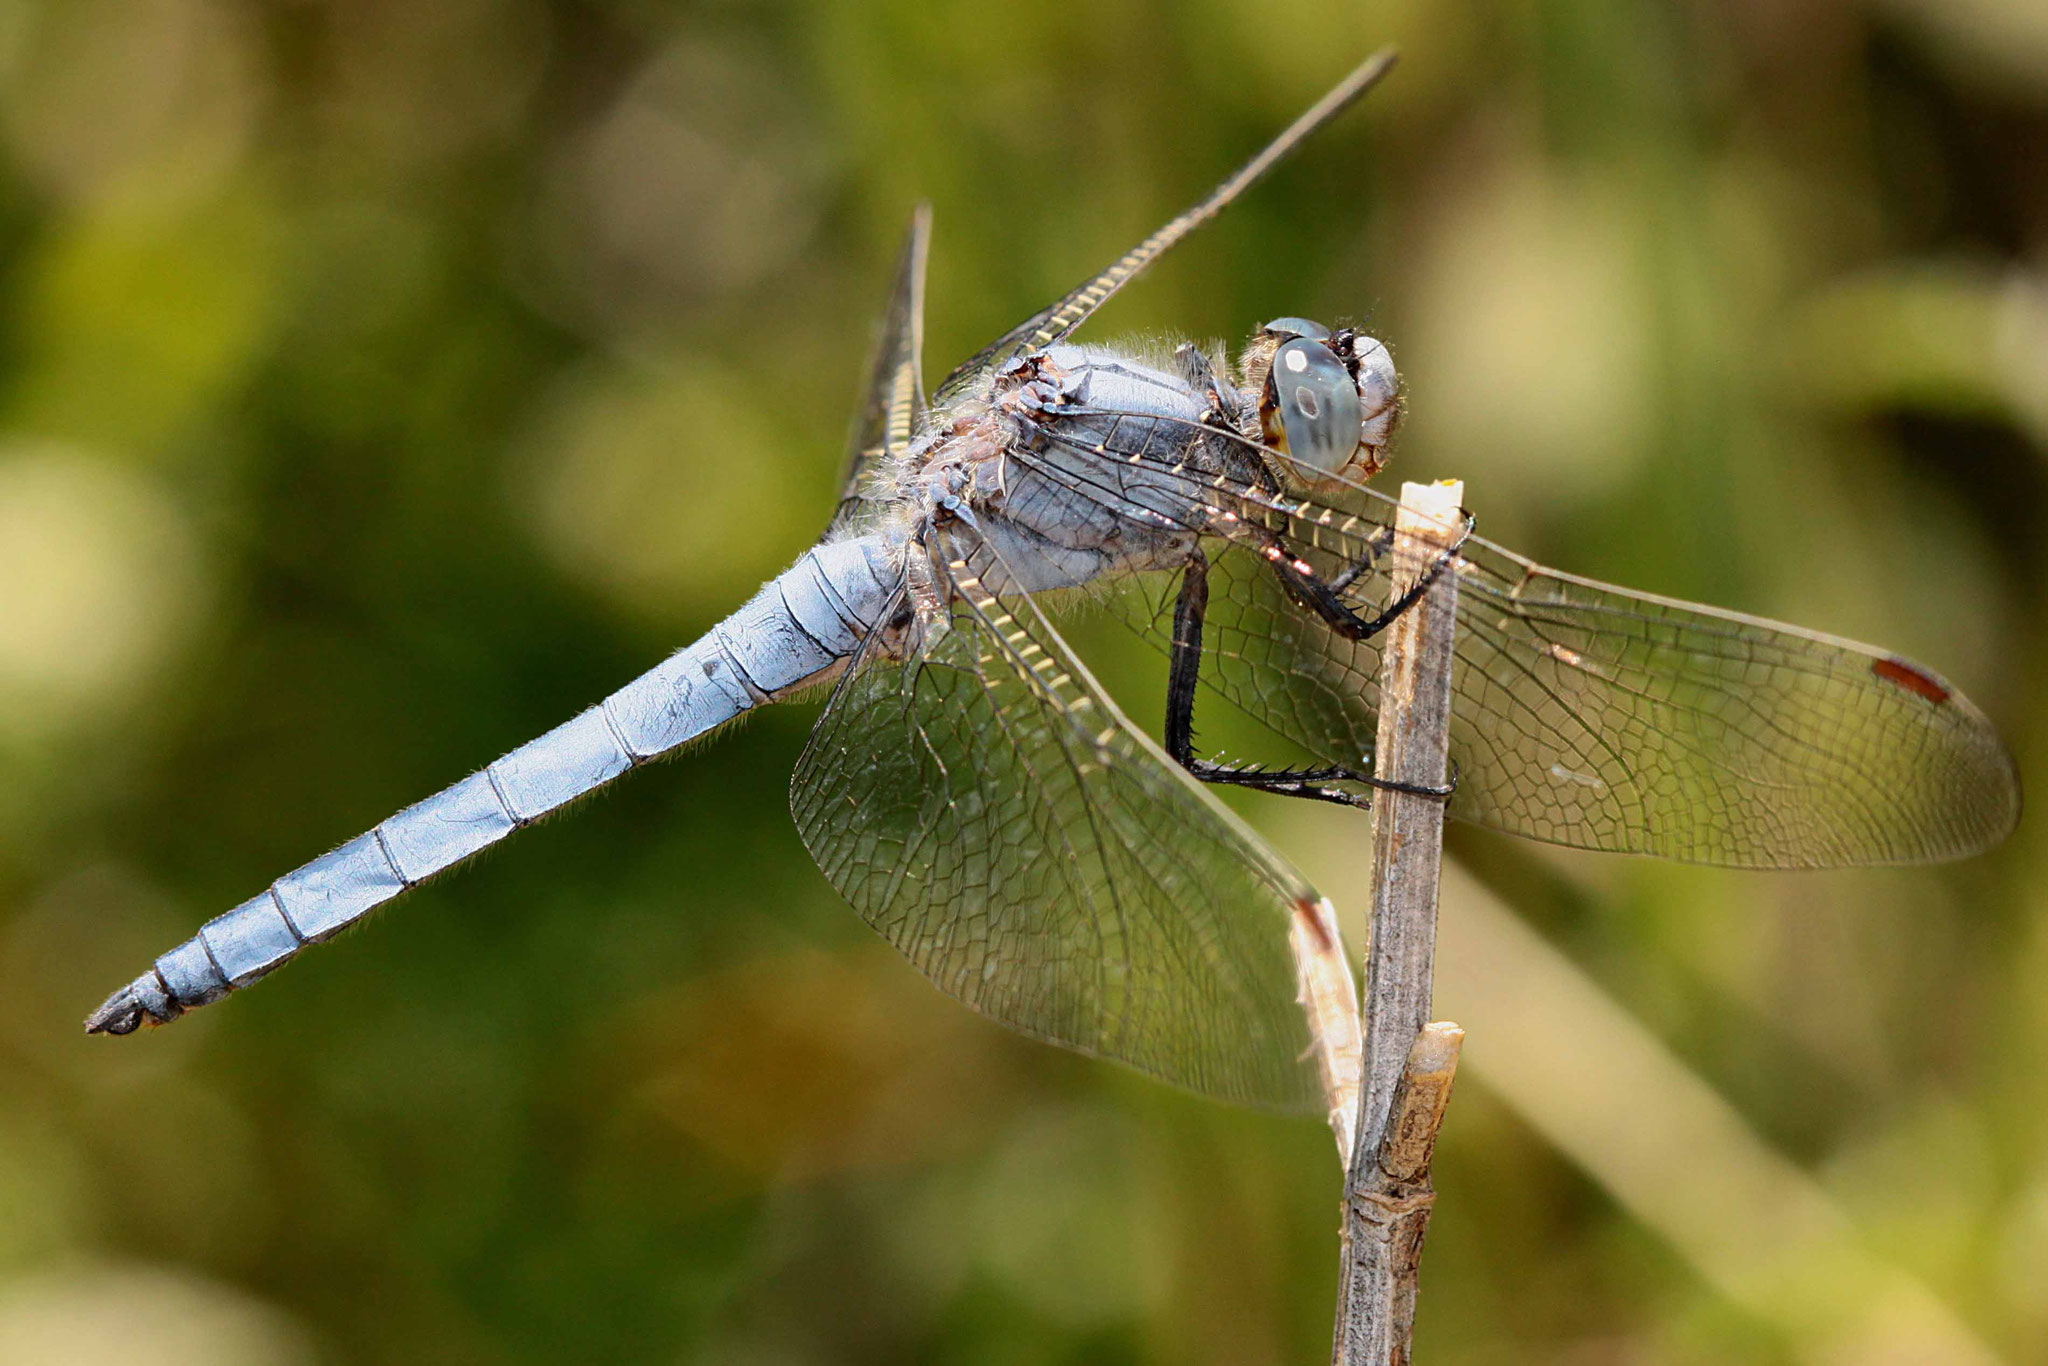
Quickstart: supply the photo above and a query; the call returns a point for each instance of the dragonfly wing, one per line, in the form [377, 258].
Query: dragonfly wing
[893, 407]
[1665, 727]
[986, 808]
[1583, 714]
[1061, 317]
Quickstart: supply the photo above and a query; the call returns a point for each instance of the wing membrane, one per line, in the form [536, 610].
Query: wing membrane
[893, 405]
[1583, 714]
[1057, 319]
[987, 809]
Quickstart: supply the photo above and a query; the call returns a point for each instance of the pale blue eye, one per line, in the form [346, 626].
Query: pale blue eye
[1316, 403]
[1296, 327]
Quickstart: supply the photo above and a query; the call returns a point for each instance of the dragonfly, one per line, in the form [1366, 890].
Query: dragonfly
[984, 804]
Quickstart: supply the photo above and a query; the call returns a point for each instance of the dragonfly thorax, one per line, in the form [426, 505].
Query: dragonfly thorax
[1015, 472]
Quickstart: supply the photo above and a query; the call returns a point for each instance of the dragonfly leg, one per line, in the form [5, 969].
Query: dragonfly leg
[1324, 597]
[1382, 541]
[1184, 674]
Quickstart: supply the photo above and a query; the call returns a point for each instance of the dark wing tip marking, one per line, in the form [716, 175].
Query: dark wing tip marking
[1914, 679]
[1309, 915]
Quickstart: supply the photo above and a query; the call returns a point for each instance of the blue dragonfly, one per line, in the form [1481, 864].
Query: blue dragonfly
[985, 805]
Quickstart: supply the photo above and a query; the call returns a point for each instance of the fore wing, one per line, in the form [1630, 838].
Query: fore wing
[893, 405]
[1583, 714]
[1056, 320]
[989, 811]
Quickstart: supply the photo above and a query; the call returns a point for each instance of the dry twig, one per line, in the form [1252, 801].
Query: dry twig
[1408, 1064]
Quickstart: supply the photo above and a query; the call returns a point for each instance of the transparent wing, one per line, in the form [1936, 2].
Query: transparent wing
[893, 406]
[1584, 714]
[989, 811]
[1056, 320]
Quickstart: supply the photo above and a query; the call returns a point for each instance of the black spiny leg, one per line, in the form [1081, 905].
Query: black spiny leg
[1184, 674]
[1324, 597]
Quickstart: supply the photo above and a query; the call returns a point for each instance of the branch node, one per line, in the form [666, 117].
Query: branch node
[1409, 1140]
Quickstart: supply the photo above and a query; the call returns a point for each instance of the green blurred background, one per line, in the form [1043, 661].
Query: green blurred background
[382, 381]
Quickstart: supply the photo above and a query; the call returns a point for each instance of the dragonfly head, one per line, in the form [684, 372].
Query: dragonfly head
[1329, 400]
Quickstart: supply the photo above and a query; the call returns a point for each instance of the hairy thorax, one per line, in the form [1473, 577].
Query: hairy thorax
[1059, 471]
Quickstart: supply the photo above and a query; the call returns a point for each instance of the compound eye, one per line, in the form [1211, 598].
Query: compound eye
[1310, 408]
[1288, 328]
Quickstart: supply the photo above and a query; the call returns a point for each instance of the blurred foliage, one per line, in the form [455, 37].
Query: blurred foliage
[380, 382]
